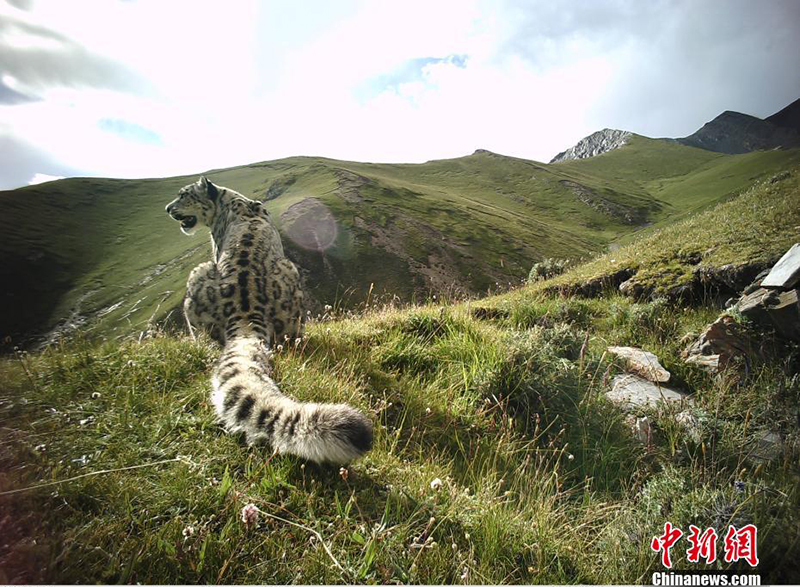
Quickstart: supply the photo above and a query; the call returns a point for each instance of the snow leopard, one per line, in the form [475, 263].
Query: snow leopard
[249, 298]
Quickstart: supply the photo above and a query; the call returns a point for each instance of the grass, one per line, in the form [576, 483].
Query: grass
[757, 227]
[540, 479]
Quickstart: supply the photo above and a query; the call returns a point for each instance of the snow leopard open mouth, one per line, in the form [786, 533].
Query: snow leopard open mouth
[187, 222]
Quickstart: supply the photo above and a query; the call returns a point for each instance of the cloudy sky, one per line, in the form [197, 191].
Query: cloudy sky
[152, 88]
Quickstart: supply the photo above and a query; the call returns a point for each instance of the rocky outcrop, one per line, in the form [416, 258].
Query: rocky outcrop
[596, 143]
[604, 205]
[719, 345]
[766, 311]
[734, 132]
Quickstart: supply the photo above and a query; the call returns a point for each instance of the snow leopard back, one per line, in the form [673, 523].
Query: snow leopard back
[249, 297]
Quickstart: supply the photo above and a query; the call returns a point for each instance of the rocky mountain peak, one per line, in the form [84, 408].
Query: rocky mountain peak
[733, 132]
[596, 143]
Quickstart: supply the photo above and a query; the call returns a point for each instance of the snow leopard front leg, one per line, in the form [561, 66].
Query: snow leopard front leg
[201, 306]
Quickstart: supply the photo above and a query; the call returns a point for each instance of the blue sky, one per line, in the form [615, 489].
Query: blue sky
[151, 88]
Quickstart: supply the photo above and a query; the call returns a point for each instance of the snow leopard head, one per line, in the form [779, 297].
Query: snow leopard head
[196, 202]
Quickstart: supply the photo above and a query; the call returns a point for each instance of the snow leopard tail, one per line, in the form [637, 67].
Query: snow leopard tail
[247, 399]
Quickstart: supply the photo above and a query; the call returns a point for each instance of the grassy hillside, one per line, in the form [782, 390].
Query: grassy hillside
[755, 228]
[101, 254]
[497, 457]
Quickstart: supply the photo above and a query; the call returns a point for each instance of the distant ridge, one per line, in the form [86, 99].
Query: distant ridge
[731, 132]
[734, 132]
[789, 117]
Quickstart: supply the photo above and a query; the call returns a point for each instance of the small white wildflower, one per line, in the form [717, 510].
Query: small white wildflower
[188, 531]
[571, 457]
[465, 574]
[436, 484]
[344, 473]
[427, 411]
[280, 347]
[297, 341]
[95, 395]
[328, 307]
[249, 514]
[40, 447]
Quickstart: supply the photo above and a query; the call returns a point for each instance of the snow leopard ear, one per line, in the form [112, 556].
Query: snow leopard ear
[210, 188]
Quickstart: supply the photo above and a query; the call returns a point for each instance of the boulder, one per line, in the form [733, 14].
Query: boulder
[786, 272]
[721, 342]
[632, 391]
[770, 308]
[643, 363]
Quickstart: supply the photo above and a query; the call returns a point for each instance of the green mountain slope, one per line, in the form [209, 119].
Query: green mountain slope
[101, 253]
[497, 457]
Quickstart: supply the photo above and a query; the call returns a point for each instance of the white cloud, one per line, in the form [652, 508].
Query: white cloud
[43, 177]
[191, 85]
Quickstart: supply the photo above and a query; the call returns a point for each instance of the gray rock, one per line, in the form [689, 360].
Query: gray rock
[770, 308]
[765, 447]
[786, 272]
[718, 345]
[631, 392]
[643, 363]
[596, 143]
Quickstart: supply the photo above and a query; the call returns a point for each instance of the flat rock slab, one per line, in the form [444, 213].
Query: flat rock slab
[643, 363]
[634, 392]
[785, 273]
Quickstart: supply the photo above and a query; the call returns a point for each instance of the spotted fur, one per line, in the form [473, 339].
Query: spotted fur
[248, 297]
